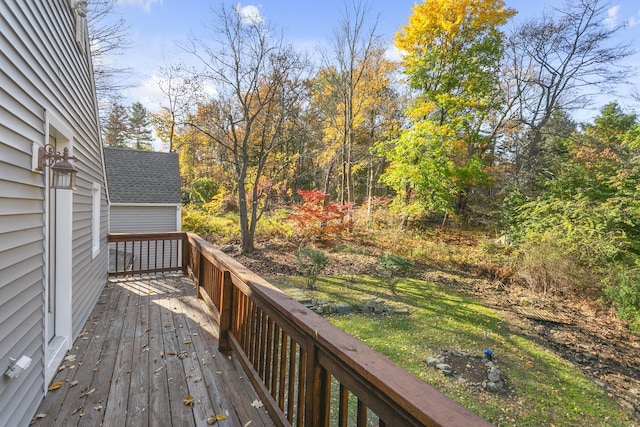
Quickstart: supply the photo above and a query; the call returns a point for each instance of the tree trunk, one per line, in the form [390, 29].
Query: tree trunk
[246, 236]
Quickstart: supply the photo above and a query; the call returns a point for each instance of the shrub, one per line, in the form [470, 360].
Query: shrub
[203, 189]
[392, 266]
[320, 219]
[626, 296]
[310, 262]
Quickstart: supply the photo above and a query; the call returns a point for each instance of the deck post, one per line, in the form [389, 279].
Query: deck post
[186, 252]
[201, 273]
[226, 304]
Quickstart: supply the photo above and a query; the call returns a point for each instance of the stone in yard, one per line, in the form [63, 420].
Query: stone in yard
[445, 368]
[432, 361]
[343, 308]
[492, 387]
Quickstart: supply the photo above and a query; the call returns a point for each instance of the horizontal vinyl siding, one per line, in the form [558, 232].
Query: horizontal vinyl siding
[42, 72]
[143, 219]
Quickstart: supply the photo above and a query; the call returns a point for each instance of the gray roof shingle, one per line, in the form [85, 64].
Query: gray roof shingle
[142, 176]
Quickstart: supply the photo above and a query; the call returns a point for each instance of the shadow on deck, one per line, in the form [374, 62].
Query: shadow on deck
[150, 347]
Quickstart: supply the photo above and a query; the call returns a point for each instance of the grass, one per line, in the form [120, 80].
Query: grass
[547, 390]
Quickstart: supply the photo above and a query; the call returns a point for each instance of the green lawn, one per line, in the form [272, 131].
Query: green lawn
[548, 390]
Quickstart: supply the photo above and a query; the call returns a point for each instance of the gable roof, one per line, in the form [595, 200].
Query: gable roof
[142, 176]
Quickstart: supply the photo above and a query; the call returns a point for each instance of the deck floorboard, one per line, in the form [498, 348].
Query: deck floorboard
[150, 345]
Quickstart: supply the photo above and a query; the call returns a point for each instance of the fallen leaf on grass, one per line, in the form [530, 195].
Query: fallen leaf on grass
[257, 403]
[189, 401]
[56, 385]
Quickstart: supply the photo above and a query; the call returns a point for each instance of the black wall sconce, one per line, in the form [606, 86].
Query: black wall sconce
[63, 173]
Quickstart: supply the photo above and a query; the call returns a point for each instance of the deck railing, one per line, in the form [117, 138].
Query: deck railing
[306, 371]
[145, 253]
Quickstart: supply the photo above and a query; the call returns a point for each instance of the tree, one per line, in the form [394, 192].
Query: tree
[115, 130]
[108, 36]
[259, 86]
[559, 62]
[346, 71]
[452, 51]
[182, 92]
[139, 129]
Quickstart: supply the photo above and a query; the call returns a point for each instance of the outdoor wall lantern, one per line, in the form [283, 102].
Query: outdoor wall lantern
[63, 173]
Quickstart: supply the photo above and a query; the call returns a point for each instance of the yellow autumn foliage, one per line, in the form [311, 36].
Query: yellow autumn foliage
[443, 21]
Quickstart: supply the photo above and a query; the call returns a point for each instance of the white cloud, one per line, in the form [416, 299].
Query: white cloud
[145, 4]
[612, 16]
[250, 14]
[634, 20]
[148, 93]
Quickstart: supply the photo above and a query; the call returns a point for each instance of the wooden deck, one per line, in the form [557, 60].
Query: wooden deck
[148, 349]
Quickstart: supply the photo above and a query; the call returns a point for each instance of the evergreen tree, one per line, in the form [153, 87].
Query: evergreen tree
[139, 130]
[115, 131]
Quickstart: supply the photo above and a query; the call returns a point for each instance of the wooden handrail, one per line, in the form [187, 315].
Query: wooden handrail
[293, 356]
[306, 371]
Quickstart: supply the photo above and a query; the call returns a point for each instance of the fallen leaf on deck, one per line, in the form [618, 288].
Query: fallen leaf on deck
[39, 416]
[214, 419]
[98, 408]
[171, 353]
[75, 411]
[187, 341]
[87, 393]
[197, 380]
[61, 368]
[56, 385]
[73, 383]
[247, 423]
[70, 358]
[159, 369]
[257, 403]
[150, 291]
[182, 355]
[189, 401]
[147, 330]
[96, 369]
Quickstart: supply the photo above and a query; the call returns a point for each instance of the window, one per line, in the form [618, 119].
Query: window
[95, 220]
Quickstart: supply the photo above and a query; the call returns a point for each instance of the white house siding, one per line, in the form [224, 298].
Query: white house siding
[42, 72]
[144, 219]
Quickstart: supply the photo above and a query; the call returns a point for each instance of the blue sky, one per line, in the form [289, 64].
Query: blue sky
[157, 26]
